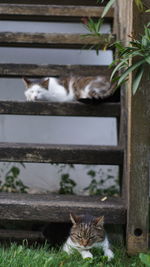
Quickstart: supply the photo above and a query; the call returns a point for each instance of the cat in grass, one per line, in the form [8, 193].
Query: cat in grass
[66, 88]
[87, 232]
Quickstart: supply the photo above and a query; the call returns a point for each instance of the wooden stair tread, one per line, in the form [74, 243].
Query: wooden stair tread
[60, 109]
[50, 12]
[51, 40]
[47, 70]
[56, 208]
[16, 235]
[75, 154]
[57, 2]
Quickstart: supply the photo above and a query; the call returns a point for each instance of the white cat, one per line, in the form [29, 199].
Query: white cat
[87, 232]
[66, 88]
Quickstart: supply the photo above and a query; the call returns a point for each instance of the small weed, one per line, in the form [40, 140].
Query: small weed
[98, 186]
[66, 184]
[12, 183]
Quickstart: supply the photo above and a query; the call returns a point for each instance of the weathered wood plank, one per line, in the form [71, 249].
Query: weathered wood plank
[122, 35]
[35, 70]
[54, 40]
[138, 138]
[139, 155]
[50, 13]
[16, 235]
[76, 154]
[57, 2]
[56, 208]
[60, 109]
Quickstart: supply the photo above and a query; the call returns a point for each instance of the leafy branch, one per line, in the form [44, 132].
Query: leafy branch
[132, 58]
[139, 49]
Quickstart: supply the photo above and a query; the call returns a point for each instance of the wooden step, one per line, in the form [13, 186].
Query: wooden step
[58, 2]
[60, 109]
[70, 154]
[35, 70]
[19, 235]
[56, 208]
[50, 12]
[54, 40]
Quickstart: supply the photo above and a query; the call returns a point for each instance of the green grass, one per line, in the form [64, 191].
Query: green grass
[21, 256]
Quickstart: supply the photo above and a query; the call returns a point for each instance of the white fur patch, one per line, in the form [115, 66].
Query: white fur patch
[85, 253]
[55, 92]
[37, 93]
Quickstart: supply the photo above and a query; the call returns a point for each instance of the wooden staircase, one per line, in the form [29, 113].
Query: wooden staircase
[56, 208]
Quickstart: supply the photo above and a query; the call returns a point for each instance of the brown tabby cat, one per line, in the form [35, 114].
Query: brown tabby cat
[87, 232]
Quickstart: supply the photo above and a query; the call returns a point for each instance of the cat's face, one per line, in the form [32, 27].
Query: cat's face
[36, 91]
[85, 231]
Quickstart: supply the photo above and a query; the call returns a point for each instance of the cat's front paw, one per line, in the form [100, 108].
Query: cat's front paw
[109, 254]
[86, 254]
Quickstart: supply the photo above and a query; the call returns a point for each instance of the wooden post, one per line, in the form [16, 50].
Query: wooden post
[138, 153]
[137, 144]
[122, 28]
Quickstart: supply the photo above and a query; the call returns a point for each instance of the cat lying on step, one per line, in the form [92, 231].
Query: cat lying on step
[66, 89]
[87, 232]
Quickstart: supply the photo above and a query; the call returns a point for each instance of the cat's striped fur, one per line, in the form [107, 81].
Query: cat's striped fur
[87, 232]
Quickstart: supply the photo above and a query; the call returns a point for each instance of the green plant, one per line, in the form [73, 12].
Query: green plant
[145, 258]
[66, 184]
[110, 3]
[23, 256]
[12, 183]
[102, 181]
[94, 27]
[98, 187]
[138, 50]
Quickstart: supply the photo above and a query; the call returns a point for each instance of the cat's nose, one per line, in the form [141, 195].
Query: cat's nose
[85, 242]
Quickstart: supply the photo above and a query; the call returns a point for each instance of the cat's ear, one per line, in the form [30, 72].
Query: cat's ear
[27, 82]
[45, 84]
[99, 221]
[74, 218]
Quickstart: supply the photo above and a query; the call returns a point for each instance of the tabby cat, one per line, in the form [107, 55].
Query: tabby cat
[66, 89]
[87, 232]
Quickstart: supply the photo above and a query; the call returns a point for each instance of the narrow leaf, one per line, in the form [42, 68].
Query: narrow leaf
[147, 59]
[145, 258]
[139, 5]
[118, 67]
[137, 79]
[107, 7]
[130, 69]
